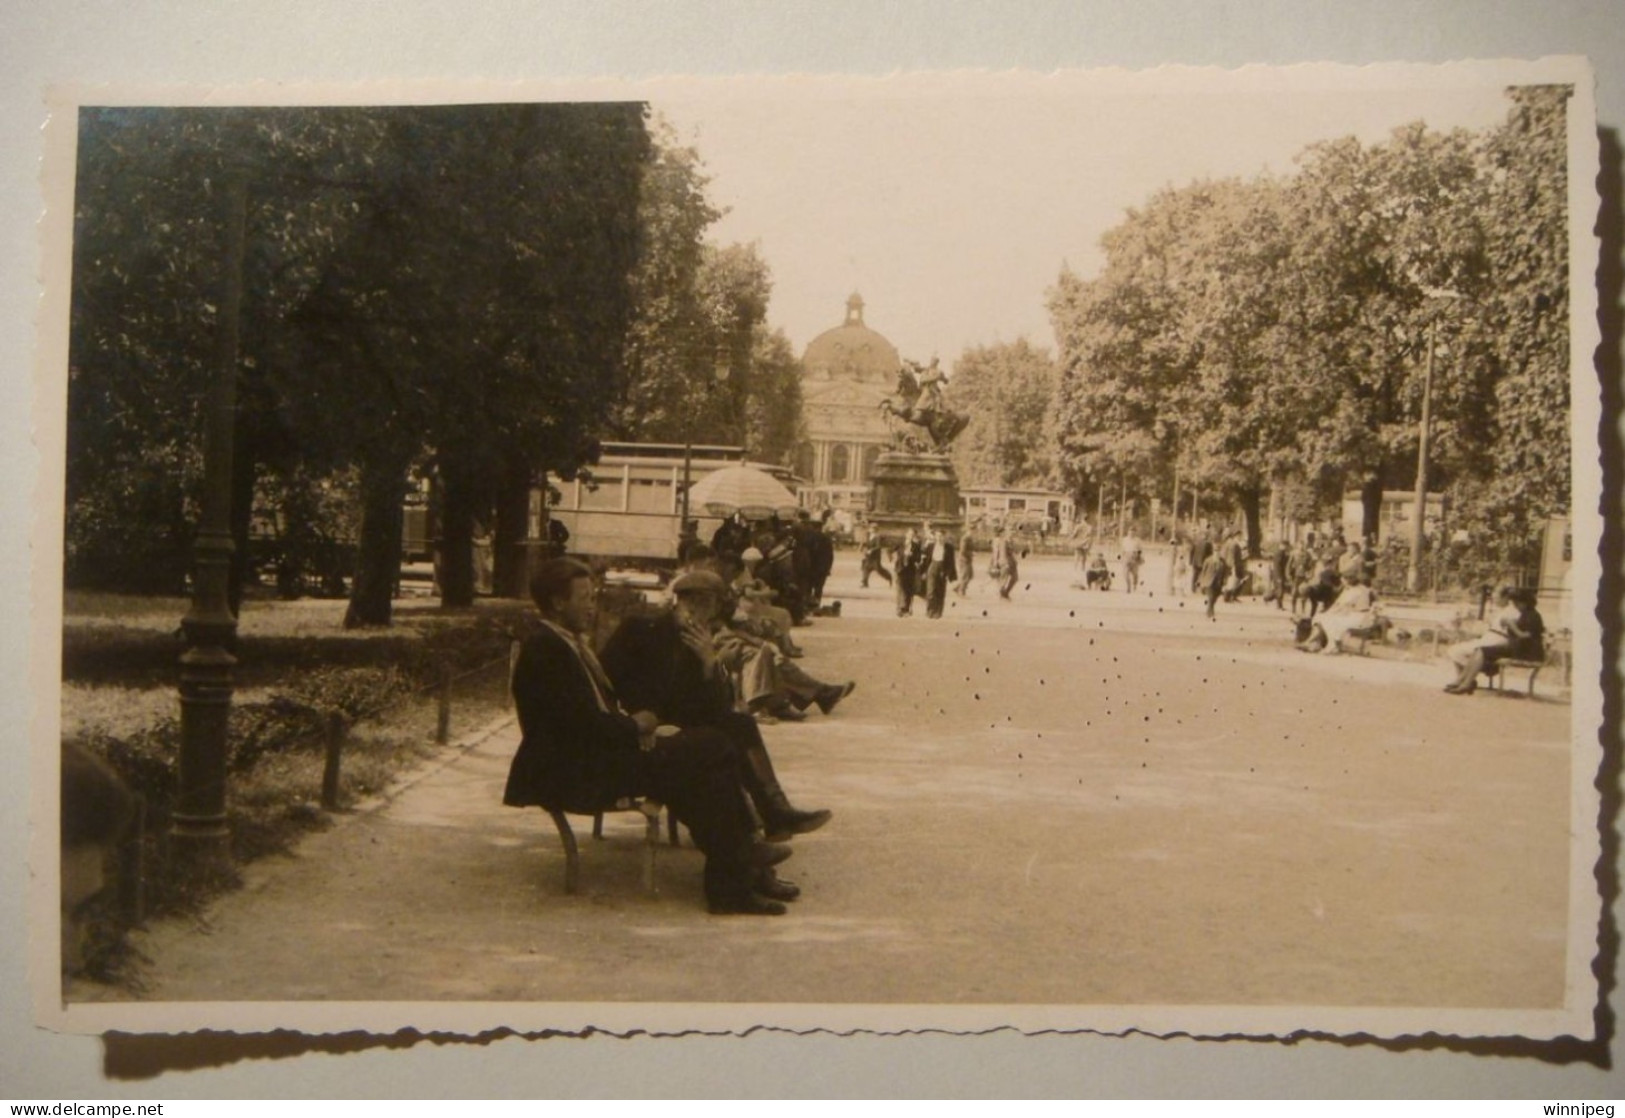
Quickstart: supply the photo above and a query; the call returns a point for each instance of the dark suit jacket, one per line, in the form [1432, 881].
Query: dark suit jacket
[950, 564]
[654, 670]
[572, 756]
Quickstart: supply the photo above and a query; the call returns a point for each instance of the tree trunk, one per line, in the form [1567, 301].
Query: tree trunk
[511, 569]
[456, 539]
[378, 559]
[1251, 499]
[1370, 506]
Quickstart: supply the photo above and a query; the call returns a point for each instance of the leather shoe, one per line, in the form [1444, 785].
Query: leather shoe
[775, 888]
[765, 855]
[748, 905]
[790, 822]
[834, 694]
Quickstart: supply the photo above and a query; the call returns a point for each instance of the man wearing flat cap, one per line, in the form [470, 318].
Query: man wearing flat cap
[669, 664]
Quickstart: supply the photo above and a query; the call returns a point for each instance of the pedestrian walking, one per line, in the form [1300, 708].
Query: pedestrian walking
[906, 565]
[1179, 570]
[967, 552]
[1132, 562]
[1003, 567]
[1280, 560]
[1201, 548]
[1210, 579]
[872, 562]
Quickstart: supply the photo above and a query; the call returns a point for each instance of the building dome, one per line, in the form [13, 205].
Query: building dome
[852, 352]
[847, 372]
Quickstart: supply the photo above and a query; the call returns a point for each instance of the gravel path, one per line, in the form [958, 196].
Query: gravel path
[1073, 798]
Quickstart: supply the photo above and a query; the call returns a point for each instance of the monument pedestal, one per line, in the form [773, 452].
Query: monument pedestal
[908, 489]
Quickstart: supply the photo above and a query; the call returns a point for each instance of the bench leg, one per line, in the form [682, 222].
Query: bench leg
[651, 840]
[572, 855]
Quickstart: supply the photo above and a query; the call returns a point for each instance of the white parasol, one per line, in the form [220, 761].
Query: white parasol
[740, 489]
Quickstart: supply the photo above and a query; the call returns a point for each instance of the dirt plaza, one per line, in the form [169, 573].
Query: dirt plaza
[1070, 798]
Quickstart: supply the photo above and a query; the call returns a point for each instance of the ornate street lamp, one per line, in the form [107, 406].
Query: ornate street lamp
[199, 819]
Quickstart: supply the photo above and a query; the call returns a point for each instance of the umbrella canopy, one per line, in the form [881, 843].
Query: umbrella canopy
[739, 489]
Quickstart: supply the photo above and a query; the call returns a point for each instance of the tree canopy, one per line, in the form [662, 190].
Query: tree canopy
[1008, 391]
[446, 284]
[1274, 333]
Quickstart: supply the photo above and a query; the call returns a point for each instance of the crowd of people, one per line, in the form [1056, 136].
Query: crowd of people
[927, 563]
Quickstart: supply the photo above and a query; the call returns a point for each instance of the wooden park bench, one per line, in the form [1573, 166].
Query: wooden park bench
[1376, 631]
[649, 809]
[1557, 654]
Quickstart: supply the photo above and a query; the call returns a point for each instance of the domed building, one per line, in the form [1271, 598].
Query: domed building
[847, 372]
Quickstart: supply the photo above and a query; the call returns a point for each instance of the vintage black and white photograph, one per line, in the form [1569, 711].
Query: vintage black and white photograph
[950, 550]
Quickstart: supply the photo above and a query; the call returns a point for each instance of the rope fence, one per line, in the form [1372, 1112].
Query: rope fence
[335, 731]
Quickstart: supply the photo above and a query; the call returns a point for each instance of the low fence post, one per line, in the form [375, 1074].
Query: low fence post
[442, 729]
[334, 747]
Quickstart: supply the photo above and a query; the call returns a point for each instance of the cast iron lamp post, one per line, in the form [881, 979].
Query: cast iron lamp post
[199, 820]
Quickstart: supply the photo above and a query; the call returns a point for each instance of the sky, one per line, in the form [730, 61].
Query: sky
[951, 202]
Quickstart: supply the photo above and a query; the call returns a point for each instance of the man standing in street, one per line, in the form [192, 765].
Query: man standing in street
[939, 571]
[1201, 548]
[1210, 579]
[1003, 566]
[967, 552]
[906, 565]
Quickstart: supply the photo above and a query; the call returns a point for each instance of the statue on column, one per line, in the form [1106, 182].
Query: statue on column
[917, 416]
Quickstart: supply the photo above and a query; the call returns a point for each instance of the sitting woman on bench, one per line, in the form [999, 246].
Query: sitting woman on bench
[1517, 633]
[1354, 609]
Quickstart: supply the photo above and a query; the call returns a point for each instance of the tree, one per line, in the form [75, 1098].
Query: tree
[146, 284]
[671, 347]
[774, 426]
[1008, 391]
[478, 315]
[446, 283]
[1526, 313]
[1379, 231]
[1274, 333]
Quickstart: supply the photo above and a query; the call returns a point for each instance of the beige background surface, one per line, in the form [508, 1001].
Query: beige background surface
[42, 43]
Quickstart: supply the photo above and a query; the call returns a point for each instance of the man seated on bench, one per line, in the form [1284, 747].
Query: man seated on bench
[1517, 633]
[581, 752]
[668, 664]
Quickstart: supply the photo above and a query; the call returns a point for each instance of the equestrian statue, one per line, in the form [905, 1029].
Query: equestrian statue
[918, 419]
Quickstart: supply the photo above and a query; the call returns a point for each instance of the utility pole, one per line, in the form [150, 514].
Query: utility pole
[1413, 572]
[1175, 530]
[1122, 507]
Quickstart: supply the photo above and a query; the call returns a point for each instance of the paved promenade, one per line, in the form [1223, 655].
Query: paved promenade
[1070, 798]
